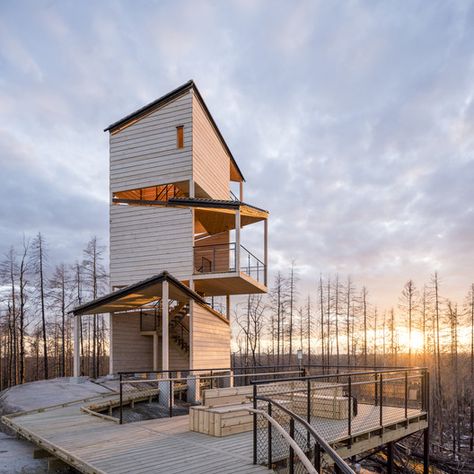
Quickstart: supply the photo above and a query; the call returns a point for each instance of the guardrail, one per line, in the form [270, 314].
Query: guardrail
[314, 446]
[166, 386]
[221, 258]
[331, 403]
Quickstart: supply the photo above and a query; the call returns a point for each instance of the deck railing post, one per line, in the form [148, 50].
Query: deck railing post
[121, 398]
[406, 397]
[381, 399]
[255, 424]
[317, 457]
[376, 395]
[291, 460]
[171, 395]
[270, 462]
[308, 410]
[350, 410]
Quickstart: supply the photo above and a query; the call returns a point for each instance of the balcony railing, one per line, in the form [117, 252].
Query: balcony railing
[221, 258]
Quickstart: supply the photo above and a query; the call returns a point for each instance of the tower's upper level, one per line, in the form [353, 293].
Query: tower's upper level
[172, 140]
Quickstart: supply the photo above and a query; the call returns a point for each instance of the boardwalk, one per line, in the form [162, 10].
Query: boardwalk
[94, 445]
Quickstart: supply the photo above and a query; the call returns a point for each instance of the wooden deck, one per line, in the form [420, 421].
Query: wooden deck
[95, 445]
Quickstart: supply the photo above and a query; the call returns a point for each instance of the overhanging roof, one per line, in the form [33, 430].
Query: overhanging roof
[163, 100]
[138, 295]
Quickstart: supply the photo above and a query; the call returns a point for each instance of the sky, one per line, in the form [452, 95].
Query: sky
[352, 122]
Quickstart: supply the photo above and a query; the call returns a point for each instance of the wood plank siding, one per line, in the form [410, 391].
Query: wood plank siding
[145, 153]
[210, 339]
[144, 241]
[131, 351]
[211, 163]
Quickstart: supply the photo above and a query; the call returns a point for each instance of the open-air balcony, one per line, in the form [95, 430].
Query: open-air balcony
[217, 266]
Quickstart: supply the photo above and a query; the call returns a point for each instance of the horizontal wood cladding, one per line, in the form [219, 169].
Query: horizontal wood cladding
[211, 163]
[145, 153]
[130, 350]
[210, 339]
[145, 241]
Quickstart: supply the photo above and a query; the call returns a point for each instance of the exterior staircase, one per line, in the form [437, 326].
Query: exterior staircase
[150, 324]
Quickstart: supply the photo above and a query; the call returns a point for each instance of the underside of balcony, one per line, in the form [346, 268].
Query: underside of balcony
[227, 283]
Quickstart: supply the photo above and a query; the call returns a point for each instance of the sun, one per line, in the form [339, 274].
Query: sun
[416, 342]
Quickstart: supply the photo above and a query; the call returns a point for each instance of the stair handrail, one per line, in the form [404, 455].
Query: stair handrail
[299, 452]
[340, 463]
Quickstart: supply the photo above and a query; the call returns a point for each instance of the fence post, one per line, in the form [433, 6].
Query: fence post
[317, 457]
[350, 410]
[381, 399]
[406, 398]
[376, 394]
[121, 398]
[308, 410]
[269, 437]
[171, 398]
[291, 461]
[255, 424]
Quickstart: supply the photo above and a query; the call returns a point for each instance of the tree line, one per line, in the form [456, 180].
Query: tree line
[35, 298]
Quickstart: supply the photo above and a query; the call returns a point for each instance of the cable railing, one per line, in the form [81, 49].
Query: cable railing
[221, 258]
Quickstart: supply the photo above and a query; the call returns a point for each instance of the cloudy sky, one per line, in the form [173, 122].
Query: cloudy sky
[353, 123]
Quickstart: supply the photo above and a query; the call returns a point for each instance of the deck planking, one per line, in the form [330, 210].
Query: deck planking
[96, 445]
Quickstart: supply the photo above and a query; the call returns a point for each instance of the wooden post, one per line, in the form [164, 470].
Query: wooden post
[265, 250]
[191, 188]
[426, 451]
[390, 458]
[165, 326]
[237, 241]
[111, 344]
[77, 346]
[241, 191]
[227, 306]
[155, 350]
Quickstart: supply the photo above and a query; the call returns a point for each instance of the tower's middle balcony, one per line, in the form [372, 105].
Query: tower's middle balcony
[228, 268]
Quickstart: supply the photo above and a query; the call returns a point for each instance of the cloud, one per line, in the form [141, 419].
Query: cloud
[353, 123]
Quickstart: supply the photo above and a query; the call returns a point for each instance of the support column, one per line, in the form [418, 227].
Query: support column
[227, 306]
[155, 351]
[77, 346]
[191, 188]
[241, 191]
[390, 458]
[265, 250]
[111, 344]
[165, 326]
[426, 451]
[237, 241]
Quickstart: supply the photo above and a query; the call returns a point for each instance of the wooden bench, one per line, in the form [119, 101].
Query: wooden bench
[224, 412]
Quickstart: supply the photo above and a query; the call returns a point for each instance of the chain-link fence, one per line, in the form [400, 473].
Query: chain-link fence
[338, 407]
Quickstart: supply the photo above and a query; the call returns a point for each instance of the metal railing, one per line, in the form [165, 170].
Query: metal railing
[301, 438]
[221, 258]
[342, 405]
[175, 390]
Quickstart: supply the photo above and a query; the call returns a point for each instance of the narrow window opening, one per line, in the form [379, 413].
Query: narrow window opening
[180, 136]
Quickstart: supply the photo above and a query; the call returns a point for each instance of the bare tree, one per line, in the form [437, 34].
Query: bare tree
[39, 259]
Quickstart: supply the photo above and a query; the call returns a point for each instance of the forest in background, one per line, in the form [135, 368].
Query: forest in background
[334, 325]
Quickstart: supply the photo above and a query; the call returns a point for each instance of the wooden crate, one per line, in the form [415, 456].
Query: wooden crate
[221, 421]
[216, 397]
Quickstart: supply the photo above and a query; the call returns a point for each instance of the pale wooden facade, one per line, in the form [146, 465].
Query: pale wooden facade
[171, 210]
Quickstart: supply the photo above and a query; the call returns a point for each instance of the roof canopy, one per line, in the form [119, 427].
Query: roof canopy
[138, 295]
